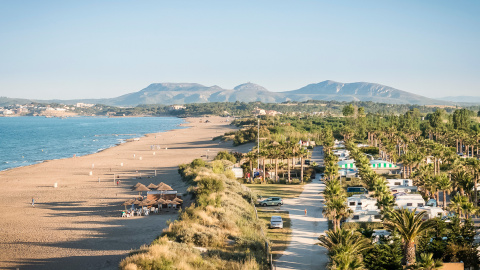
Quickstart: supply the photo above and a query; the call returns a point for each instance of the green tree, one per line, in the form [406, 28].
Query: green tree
[409, 225]
[348, 110]
[384, 256]
[427, 262]
[345, 248]
[461, 119]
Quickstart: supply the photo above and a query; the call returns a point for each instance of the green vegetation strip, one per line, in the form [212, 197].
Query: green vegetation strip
[279, 238]
[276, 190]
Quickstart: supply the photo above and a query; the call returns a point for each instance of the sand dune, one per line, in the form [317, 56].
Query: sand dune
[77, 224]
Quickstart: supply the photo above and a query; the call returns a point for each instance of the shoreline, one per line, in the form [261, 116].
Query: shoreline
[78, 225]
[180, 126]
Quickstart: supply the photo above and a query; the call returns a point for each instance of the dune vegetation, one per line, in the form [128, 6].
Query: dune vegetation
[218, 231]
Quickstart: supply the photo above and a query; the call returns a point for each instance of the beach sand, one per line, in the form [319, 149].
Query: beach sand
[78, 225]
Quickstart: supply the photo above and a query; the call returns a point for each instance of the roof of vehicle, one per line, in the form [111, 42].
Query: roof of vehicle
[276, 218]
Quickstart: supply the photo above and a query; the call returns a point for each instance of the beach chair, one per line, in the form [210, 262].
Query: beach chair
[147, 212]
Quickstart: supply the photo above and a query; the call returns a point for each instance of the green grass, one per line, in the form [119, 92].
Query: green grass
[279, 238]
[276, 190]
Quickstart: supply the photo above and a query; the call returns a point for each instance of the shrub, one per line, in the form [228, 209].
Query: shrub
[224, 155]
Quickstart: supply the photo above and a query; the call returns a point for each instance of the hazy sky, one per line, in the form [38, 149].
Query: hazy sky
[95, 49]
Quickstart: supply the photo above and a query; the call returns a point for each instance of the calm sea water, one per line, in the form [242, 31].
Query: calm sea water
[29, 140]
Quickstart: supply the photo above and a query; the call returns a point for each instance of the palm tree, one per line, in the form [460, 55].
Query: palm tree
[333, 189]
[456, 204]
[445, 185]
[344, 248]
[409, 225]
[335, 209]
[426, 262]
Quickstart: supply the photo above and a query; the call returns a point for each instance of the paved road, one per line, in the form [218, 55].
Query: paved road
[303, 253]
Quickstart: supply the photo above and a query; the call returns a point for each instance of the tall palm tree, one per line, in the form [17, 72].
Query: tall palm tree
[427, 262]
[445, 185]
[336, 210]
[409, 225]
[456, 204]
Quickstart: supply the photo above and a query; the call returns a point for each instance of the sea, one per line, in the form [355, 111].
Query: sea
[30, 140]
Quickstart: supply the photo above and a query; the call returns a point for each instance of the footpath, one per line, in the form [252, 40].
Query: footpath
[302, 252]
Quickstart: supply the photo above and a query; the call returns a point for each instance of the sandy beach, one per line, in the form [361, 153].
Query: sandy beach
[78, 225]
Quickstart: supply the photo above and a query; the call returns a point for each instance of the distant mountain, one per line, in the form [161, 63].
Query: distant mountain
[462, 99]
[359, 91]
[183, 93]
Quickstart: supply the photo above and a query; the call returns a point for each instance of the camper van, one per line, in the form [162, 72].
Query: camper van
[400, 182]
[409, 200]
[366, 216]
[360, 202]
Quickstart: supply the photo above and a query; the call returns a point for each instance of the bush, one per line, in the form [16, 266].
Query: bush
[224, 155]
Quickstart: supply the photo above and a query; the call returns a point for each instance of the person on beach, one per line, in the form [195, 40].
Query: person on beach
[305, 211]
[33, 202]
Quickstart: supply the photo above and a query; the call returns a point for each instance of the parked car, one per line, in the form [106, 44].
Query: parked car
[271, 201]
[276, 222]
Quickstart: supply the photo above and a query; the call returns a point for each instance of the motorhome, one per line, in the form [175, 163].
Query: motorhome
[431, 212]
[400, 182]
[361, 202]
[366, 216]
[403, 200]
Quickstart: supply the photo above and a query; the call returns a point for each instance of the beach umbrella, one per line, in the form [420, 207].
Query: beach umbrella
[141, 188]
[163, 187]
[136, 185]
[161, 201]
[143, 203]
[152, 186]
[178, 200]
[128, 202]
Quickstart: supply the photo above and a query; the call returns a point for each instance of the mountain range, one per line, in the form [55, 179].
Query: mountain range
[184, 93]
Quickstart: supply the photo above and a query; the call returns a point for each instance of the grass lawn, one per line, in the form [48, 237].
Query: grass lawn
[276, 190]
[279, 238]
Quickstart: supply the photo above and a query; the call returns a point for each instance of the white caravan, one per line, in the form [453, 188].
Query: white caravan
[361, 202]
[409, 200]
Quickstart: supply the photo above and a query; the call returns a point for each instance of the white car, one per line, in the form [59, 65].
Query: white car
[276, 222]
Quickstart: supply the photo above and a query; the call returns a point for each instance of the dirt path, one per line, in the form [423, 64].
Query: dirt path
[303, 253]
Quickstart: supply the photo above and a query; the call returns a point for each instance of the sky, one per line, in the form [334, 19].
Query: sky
[100, 49]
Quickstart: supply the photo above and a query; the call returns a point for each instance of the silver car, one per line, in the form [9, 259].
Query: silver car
[276, 222]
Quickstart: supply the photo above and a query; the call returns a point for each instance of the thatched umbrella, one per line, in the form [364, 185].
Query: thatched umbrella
[163, 187]
[144, 203]
[129, 202]
[136, 185]
[178, 200]
[141, 188]
[152, 186]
